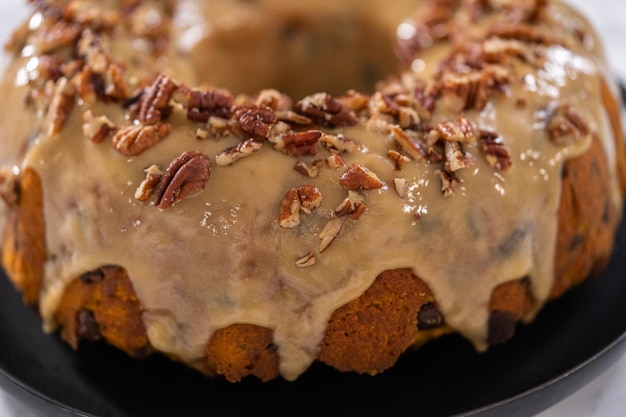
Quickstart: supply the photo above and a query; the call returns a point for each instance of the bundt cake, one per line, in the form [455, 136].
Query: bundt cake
[248, 187]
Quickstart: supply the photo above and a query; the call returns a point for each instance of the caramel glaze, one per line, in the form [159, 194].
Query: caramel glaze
[220, 256]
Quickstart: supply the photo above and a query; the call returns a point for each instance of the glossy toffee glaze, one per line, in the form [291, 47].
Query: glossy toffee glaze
[219, 257]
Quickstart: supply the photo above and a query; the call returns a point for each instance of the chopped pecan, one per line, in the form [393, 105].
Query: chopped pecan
[449, 182]
[96, 128]
[310, 198]
[463, 91]
[149, 184]
[326, 110]
[497, 154]
[62, 103]
[133, 140]
[293, 118]
[235, 153]
[566, 125]
[256, 121]
[329, 233]
[523, 32]
[307, 260]
[310, 171]
[457, 157]
[301, 143]
[187, 174]
[115, 87]
[398, 159]
[352, 205]
[354, 101]
[401, 185]
[459, 130]
[406, 143]
[273, 99]
[358, 177]
[60, 34]
[339, 143]
[154, 104]
[335, 161]
[289, 214]
[202, 105]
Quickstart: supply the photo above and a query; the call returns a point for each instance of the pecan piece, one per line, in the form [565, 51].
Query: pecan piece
[326, 110]
[309, 171]
[329, 233]
[310, 198]
[154, 104]
[289, 215]
[449, 182]
[459, 130]
[149, 184]
[256, 121]
[497, 155]
[358, 177]
[235, 153]
[133, 140]
[301, 143]
[307, 260]
[406, 143]
[61, 106]
[96, 128]
[457, 157]
[352, 205]
[187, 174]
[202, 105]
[339, 143]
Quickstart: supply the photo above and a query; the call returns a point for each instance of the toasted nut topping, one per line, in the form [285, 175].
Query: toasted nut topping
[406, 143]
[358, 177]
[293, 118]
[133, 140]
[498, 156]
[459, 130]
[241, 150]
[352, 205]
[329, 234]
[309, 171]
[339, 143]
[310, 198]
[301, 143]
[566, 125]
[202, 105]
[307, 260]
[60, 34]
[354, 101]
[273, 99]
[449, 182]
[464, 91]
[148, 185]
[335, 161]
[326, 110]
[154, 104]
[187, 174]
[96, 128]
[398, 159]
[289, 216]
[61, 105]
[401, 185]
[255, 120]
[456, 157]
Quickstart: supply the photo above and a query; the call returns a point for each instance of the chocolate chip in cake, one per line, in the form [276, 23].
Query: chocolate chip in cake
[429, 317]
[502, 326]
[92, 277]
[88, 328]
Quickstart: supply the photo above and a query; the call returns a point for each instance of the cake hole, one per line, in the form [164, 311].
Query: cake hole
[295, 51]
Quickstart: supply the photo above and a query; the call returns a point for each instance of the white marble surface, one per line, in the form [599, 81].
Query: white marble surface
[603, 397]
